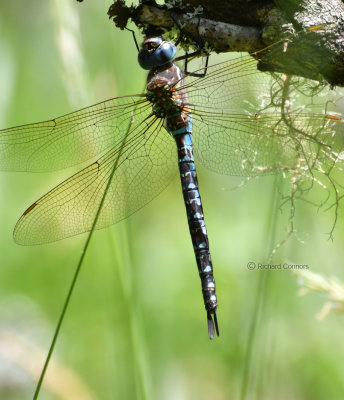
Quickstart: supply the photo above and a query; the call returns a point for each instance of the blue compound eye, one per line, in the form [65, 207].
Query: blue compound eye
[156, 52]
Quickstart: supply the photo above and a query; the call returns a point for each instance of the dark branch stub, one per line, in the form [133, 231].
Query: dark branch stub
[120, 13]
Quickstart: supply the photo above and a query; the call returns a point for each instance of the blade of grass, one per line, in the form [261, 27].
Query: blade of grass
[260, 295]
[124, 251]
[77, 270]
[139, 357]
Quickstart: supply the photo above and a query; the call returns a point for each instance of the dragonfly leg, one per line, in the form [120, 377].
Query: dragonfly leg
[134, 37]
[199, 75]
[188, 56]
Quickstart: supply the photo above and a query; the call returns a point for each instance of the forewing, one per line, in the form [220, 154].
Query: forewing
[70, 139]
[146, 163]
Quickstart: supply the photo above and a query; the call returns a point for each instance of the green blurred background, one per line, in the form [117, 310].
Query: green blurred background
[136, 326]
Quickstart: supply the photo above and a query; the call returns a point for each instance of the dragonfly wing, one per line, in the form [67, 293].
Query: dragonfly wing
[145, 166]
[248, 122]
[70, 139]
[239, 144]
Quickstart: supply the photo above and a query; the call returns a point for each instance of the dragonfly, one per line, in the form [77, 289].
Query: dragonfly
[233, 117]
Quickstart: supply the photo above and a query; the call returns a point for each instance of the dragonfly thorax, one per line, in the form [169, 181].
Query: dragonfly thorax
[164, 103]
[163, 90]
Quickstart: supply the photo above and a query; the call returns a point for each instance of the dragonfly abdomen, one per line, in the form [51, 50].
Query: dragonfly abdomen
[170, 101]
[198, 230]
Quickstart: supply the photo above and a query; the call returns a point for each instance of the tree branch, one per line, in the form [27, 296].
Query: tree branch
[221, 36]
[261, 23]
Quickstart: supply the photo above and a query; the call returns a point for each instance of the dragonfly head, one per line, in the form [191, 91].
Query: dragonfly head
[156, 52]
